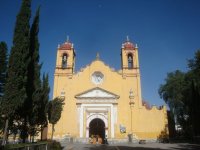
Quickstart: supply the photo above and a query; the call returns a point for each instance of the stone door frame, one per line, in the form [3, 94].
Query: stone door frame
[102, 111]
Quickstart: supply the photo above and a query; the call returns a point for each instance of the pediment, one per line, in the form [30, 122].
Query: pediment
[96, 93]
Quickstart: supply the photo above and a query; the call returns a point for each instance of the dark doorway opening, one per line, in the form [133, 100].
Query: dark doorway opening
[97, 127]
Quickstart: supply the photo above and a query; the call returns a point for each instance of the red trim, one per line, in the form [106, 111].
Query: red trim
[66, 46]
[129, 46]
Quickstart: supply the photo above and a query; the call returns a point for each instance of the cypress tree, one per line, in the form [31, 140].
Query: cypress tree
[34, 82]
[15, 88]
[34, 67]
[44, 101]
[3, 66]
[38, 119]
[38, 92]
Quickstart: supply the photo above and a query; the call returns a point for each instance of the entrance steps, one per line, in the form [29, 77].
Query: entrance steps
[66, 140]
[70, 140]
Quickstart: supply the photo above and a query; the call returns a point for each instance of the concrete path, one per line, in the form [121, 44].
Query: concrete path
[148, 146]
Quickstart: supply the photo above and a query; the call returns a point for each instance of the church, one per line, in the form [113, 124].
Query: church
[102, 101]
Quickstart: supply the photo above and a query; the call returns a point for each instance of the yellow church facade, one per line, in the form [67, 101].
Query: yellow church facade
[102, 101]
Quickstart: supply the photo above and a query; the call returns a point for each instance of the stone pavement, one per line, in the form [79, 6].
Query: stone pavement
[148, 146]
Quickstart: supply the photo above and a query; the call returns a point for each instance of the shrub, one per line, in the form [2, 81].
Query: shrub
[54, 145]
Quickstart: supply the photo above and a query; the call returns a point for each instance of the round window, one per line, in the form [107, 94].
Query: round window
[97, 77]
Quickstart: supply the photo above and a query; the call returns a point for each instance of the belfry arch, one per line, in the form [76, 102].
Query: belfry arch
[64, 60]
[130, 61]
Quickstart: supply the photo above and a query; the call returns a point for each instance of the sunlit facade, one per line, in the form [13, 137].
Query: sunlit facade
[102, 101]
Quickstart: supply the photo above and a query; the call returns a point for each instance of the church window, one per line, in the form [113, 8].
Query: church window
[130, 61]
[64, 61]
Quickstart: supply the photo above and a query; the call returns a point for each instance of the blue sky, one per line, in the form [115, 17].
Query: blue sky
[167, 33]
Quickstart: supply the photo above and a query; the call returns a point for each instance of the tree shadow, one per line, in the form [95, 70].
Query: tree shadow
[186, 146]
[106, 147]
[181, 146]
[164, 135]
[136, 148]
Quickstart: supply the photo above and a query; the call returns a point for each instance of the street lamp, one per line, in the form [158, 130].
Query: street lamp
[131, 103]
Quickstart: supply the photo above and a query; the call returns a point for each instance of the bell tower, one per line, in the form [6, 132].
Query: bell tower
[65, 61]
[129, 58]
[131, 71]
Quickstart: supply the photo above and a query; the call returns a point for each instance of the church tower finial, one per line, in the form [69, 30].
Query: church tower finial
[97, 56]
[127, 39]
[67, 38]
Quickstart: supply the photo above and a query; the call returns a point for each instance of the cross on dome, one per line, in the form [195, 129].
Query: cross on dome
[128, 45]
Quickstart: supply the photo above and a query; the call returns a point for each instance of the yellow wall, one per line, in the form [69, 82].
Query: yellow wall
[145, 123]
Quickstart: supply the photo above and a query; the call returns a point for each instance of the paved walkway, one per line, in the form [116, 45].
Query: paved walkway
[148, 146]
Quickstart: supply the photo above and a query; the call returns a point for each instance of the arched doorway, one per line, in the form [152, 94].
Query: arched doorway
[97, 127]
